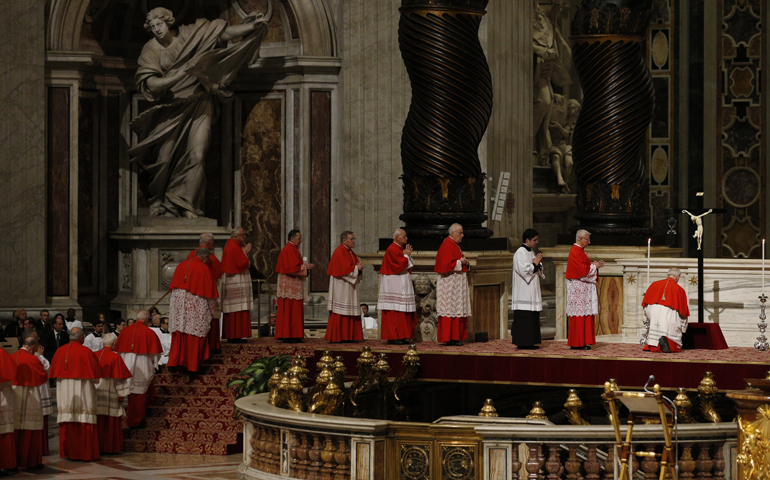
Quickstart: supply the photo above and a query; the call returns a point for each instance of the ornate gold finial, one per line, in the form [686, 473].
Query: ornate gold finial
[537, 412]
[707, 392]
[339, 370]
[754, 450]
[610, 386]
[683, 407]
[767, 375]
[367, 376]
[488, 410]
[572, 409]
[325, 360]
[273, 383]
[381, 369]
[411, 362]
[296, 367]
[295, 400]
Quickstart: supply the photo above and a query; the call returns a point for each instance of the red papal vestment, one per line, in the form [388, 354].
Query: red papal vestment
[109, 400]
[344, 310]
[193, 298]
[77, 373]
[215, 268]
[396, 299]
[28, 418]
[7, 412]
[582, 300]
[140, 349]
[290, 318]
[237, 293]
[665, 305]
[453, 300]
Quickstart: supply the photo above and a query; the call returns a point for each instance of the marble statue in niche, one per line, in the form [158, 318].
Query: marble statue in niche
[181, 71]
[552, 63]
[564, 115]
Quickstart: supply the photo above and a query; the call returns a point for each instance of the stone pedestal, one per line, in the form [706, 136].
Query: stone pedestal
[490, 286]
[615, 307]
[149, 253]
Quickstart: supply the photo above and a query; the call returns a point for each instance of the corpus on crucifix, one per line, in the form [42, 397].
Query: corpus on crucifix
[696, 219]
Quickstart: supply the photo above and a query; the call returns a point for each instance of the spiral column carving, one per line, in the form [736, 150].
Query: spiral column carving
[449, 113]
[613, 188]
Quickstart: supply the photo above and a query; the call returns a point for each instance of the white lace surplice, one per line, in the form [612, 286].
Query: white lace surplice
[190, 313]
[582, 299]
[7, 410]
[453, 297]
[343, 295]
[76, 400]
[237, 294]
[290, 287]
[397, 291]
[29, 408]
[142, 367]
[107, 394]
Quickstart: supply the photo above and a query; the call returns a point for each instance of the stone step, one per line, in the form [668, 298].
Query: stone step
[194, 401]
[189, 448]
[221, 424]
[182, 436]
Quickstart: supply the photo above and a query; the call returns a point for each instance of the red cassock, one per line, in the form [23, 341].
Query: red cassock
[109, 427]
[188, 350]
[668, 293]
[139, 340]
[582, 328]
[290, 318]
[344, 327]
[78, 437]
[29, 443]
[7, 436]
[234, 261]
[450, 328]
[395, 324]
[215, 268]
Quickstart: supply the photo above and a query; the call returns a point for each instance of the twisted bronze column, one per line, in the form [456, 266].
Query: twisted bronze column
[450, 109]
[608, 47]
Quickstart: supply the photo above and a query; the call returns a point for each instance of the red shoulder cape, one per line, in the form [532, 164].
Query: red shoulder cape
[29, 371]
[578, 264]
[289, 260]
[448, 254]
[112, 364]
[195, 277]
[676, 298]
[394, 261]
[73, 360]
[144, 340]
[215, 268]
[233, 258]
[343, 261]
[7, 367]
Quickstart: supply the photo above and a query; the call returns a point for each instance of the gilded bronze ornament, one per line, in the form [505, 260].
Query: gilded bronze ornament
[458, 462]
[415, 461]
[609, 387]
[572, 408]
[608, 48]
[537, 412]
[411, 362]
[707, 393]
[450, 110]
[683, 407]
[488, 410]
[754, 449]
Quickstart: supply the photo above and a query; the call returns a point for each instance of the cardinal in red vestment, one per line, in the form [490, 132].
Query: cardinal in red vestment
[396, 300]
[28, 422]
[113, 387]
[77, 371]
[344, 272]
[140, 349]
[582, 299]
[215, 266]
[7, 412]
[193, 299]
[665, 305]
[453, 301]
[237, 293]
[292, 271]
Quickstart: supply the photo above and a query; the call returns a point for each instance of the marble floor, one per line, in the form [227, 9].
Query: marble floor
[135, 466]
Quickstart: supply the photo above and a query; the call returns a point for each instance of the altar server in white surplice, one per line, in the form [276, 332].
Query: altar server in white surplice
[526, 299]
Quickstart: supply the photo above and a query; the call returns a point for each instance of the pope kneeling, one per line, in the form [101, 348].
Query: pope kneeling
[665, 305]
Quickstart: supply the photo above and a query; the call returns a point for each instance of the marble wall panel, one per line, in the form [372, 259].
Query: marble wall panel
[320, 188]
[261, 181]
[87, 138]
[610, 291]
[23, 155]
[58, 233]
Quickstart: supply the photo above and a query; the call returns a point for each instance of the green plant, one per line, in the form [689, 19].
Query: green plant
[253, 379]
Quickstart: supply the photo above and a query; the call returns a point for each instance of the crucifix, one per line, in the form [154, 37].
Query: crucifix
[696, 215]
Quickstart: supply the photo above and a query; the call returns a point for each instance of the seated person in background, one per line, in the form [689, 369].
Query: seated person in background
[72, 322]
[94, 341]
[367, 322]
[665, 305]
[16, 327]
[268, 329]
[29, 326]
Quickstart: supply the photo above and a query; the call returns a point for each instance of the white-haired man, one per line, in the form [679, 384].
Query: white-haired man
[237, 293]
[398, 315]
[77, 373]
[215, 266]
[28, 420]
[453, 301]
[582, 299]
[109, 397]
[665, 305]
[345, 269]
[140, 349]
